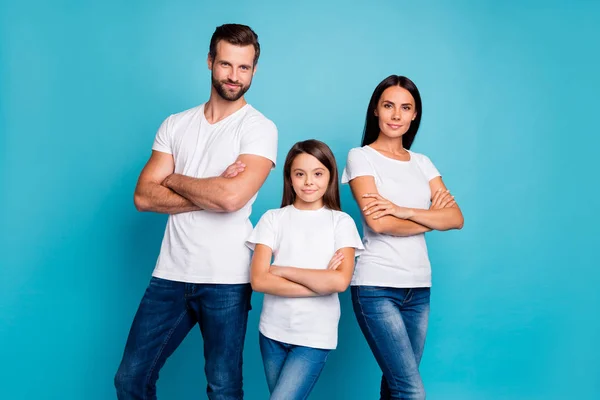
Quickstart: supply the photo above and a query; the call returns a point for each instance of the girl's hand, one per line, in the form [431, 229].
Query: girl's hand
[381, 207]
[442, 199]
[336, 260]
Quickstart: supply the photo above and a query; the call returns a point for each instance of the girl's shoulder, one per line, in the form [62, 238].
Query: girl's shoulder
[275, 212]
[340, 216]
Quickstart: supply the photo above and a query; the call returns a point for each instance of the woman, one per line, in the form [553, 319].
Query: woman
[401, 195]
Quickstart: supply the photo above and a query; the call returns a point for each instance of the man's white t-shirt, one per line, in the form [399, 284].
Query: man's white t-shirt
[204, 246]
[393, 261]
[303, 239]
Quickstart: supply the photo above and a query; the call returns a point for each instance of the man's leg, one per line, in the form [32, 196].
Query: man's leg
[223, 316]
[161, 323]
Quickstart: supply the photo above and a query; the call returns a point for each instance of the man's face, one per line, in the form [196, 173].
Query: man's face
[232, 70]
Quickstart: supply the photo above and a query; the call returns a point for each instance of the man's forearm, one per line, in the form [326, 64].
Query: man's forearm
[157, 198]
[207, 193]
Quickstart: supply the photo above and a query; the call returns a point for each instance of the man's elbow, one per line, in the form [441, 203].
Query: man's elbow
[140, 202]
[232, 202]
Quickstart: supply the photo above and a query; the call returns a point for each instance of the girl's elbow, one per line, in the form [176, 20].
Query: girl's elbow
[340, 285]
[256, 284]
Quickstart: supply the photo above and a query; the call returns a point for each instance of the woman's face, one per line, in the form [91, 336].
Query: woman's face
[395, 110]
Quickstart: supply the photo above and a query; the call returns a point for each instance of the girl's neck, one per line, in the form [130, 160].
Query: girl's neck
[302, 205]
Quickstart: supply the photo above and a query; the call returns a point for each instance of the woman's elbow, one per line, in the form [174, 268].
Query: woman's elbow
[375, 225]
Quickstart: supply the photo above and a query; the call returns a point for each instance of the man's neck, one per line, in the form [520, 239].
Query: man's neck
[217, 108]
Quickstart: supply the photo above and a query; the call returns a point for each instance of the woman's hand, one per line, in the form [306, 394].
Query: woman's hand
[442, 199]
[381, 207]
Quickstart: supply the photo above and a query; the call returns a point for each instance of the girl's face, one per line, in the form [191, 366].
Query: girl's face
[396, 110]
[310, 180]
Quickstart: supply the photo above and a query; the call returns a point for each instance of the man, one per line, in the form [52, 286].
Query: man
[206, 167]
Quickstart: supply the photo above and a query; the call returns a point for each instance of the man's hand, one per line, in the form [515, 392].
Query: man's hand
[234, 170]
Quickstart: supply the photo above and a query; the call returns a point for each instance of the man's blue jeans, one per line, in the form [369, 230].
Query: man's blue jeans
[167, 312]
[291, 370]
[394, 322]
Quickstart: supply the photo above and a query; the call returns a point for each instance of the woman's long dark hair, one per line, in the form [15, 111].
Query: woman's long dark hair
[371, 131]
[323, 153]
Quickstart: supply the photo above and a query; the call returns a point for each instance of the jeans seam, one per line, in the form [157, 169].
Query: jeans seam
[368, 327]
[162, 347]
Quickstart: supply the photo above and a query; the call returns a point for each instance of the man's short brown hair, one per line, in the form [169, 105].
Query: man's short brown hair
[236, 34]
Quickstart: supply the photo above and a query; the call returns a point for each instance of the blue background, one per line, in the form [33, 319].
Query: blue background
[510, 100]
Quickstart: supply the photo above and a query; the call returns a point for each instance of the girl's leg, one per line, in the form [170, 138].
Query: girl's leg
[300, 372]
[274, 354]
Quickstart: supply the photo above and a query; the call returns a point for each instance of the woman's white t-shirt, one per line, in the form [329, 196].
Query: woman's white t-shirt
[303, 239]
[393, 261]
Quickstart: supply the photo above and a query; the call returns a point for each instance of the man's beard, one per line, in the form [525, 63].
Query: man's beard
[226, 93]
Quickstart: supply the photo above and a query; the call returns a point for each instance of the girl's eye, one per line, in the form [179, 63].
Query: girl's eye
[299, 174]
[319, 174]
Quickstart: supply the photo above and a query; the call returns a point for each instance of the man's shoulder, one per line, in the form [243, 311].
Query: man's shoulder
[189, 113]
[254, 117]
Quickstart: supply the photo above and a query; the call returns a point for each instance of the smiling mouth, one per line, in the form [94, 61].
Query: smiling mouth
[394, 126]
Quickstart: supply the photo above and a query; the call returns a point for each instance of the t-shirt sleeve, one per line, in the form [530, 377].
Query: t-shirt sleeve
[162, 141]
[264, 232]
[429, 170]
[260, 138]
[346, 234]
[357, 165]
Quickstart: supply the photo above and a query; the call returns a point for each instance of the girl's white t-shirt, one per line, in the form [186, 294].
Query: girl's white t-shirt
[393, 261]
[303, 239]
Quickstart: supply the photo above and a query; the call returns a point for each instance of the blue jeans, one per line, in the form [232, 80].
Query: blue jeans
[167, 312]
[394, 322]
[291, 370]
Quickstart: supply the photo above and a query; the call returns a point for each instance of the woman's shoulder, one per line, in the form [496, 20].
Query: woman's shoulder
[418, 156]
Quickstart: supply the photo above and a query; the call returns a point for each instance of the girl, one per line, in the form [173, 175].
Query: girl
[401, 196]
[313, 244]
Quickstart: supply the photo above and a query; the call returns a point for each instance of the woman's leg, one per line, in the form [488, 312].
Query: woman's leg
[378, 311]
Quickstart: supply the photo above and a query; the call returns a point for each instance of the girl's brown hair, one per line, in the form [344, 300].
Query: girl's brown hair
[323, 153]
